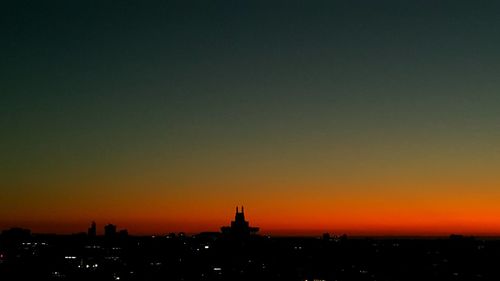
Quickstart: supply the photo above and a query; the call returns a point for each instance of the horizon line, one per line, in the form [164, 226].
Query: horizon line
[285, 233]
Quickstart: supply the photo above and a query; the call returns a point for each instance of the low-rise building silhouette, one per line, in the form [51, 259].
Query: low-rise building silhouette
[16, 233]
[123, 233]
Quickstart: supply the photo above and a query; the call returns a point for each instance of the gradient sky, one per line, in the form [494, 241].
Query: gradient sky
[364, 117]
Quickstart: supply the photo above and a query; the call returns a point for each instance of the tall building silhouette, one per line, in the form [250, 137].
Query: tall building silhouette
[239, 227]
[110, 230]
[92, 232]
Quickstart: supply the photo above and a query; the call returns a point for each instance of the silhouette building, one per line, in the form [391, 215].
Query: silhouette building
[92, 232]
[123, 233]
[110, 230]
[16, 233]
[239, 227]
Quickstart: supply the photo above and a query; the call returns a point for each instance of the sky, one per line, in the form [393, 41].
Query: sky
[359, 117]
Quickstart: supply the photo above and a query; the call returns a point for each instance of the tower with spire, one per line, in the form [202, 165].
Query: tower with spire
[239, 227]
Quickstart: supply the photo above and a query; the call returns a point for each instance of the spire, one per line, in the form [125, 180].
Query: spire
[236, 209]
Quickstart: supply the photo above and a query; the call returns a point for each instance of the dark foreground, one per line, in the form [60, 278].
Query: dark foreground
[211, 257]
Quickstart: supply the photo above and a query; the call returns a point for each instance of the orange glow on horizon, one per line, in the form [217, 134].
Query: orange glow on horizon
[280, 210]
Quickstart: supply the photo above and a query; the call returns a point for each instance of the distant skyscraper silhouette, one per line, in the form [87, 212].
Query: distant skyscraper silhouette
[92, 230]
[239, 227]
[110, 230]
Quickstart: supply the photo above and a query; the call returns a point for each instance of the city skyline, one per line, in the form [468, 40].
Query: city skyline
[358, 117]
[239, 226]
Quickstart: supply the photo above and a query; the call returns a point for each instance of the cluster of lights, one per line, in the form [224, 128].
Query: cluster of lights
[218, 270]
[88, 266]
[33, 244]
[58, 274]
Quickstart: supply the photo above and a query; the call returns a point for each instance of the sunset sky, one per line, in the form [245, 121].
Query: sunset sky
[359, 117]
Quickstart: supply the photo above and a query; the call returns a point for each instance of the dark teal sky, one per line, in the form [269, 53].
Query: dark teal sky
[169, 97]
